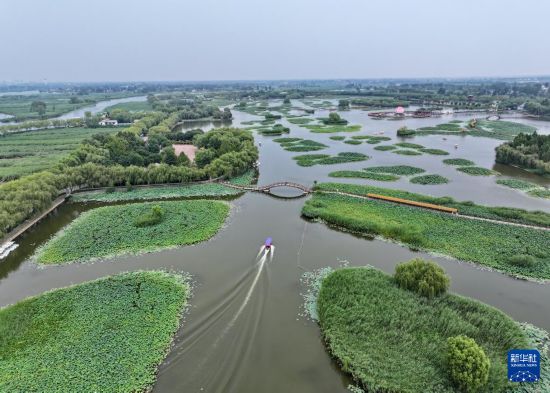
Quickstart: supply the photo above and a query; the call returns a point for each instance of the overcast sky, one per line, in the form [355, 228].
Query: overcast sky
[122, 40]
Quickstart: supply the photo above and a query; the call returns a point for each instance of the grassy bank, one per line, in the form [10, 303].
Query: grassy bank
[107, 335]
[498, 246]
[375, 330]
[168, 192]
[111, 230]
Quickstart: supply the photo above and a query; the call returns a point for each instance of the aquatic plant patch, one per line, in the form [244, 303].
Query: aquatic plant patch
[437, 152]
[540, 193]
[408, 145]
[353, 142]
[486, 243]
[429, 180]
[365, 175]
[531, 189]
[300, 145]
[407, 152]
[372, 138]
[458, 162]
[107, 335]
[300, 120]
[385, 148]
[286, 140]
[510, 214]
[325, 159]
[497, 129]
[337, 137]
[476, 171]
[277, 129]
[375, 329]
[108, 231]
[401, 170]
[329, 129]
[517, 184]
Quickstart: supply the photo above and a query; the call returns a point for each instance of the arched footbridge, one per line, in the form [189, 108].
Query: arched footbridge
[267, 188]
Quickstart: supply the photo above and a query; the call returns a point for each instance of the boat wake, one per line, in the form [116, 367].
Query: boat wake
[214, 346]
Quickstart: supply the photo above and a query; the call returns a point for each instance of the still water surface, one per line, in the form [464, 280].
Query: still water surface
[271, 347]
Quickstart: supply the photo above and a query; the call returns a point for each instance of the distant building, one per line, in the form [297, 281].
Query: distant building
[108, 122]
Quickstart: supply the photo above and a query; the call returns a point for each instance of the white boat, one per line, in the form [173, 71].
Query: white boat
[6, 248]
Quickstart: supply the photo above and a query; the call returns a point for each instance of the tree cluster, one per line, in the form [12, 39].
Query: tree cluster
[530, 151]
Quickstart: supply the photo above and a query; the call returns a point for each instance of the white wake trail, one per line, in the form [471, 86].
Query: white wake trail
[251, 289]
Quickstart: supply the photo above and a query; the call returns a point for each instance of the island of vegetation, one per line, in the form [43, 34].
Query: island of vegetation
[133, 228]
[374, 324]
[496, 129]
[458, 162]
[334, 119]
[476, 171]
[519, 251]
[327, 159]
[528, 151]
[429, 179]
[299, 144]
[365, 175]
[402, 170]
[107, 335]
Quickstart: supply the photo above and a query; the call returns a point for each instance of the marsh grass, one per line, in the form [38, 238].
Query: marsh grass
[375, 329]
[510, 214]
[486, 243]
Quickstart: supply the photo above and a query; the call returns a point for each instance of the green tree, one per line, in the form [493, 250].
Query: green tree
[343, 104]
[467, 364]
[168, 156]
[423, 277]
[39, 107]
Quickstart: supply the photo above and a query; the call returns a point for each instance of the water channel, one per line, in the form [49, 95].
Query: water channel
[271, 346]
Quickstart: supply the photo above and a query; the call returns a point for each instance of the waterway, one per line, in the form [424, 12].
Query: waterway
[99, 107]
[271, 346]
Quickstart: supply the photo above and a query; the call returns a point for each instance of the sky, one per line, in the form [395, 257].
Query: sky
[197, 40]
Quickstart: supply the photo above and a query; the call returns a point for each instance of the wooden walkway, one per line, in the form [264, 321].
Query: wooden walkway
[457, 214]
[430, 206]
